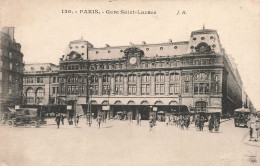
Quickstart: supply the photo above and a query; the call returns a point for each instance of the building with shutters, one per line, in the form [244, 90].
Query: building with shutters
[197, 73]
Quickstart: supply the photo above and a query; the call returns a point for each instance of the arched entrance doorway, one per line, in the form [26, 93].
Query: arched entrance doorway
[200, 106]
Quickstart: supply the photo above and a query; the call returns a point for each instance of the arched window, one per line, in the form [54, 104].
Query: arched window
[200, 106]
[39, 92]
[30, 93]
[39, 95]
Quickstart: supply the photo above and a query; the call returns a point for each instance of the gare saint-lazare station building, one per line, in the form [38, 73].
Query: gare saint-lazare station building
[197, 75]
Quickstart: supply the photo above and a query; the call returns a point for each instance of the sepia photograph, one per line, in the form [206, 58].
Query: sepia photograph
[129, 83]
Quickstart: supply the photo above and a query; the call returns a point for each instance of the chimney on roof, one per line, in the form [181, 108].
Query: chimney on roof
[170, 40]
[143, 43]
[107, 45]
[131, 44]
[9, 31]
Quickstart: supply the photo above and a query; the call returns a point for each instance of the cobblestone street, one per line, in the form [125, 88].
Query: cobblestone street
[120, 143]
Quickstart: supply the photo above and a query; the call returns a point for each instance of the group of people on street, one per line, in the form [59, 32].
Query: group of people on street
[182, 121]
[254, 127]
[214, 123]
[60, 118]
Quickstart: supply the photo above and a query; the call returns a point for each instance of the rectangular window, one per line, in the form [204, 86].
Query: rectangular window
[159, 89]
[106, 89]
[54, 79]
[39, 79]
[145, 89]
[132, 89]
[187, 88]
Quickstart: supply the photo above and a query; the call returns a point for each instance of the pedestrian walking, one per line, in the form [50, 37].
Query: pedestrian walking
[151, 124]
[166, 120]
[216, 124]
[211, 123]
[182, 123]
[62, 119]
[251, 130]
[257, 129]
[138, 119]
[201, 123]
[197, 122]
[187, 122]
[99, 119]
[57, 119]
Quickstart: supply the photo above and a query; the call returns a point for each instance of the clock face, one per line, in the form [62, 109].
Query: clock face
[132, 60]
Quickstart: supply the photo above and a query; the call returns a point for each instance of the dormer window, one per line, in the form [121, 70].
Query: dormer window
[211, 37]
[82, 46]
[97, 52]
[213, 45]
[76, 47]
[194, 38]
[161, 48]
[202, 38]
[147, 49]
[108, 51]
[42, 68]
[175, 47]
[192, 47]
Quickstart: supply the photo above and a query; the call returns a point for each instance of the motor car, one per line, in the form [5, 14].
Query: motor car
[26, 117]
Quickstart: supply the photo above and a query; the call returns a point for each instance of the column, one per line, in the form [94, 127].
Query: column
[220, 81]
[152, 90]
[100, 85]
[167, 84]
[125, 85]
[112, 85]
[138, 84]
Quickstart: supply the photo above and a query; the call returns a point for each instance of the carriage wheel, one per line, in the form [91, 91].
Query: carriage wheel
[10, 124]
[33, 124]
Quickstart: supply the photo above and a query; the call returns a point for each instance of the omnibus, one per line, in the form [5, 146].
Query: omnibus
[241, 117]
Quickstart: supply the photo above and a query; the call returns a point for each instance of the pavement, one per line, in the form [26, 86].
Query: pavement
[118, 143]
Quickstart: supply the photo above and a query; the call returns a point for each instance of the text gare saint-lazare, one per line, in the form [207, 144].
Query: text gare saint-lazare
[96, 11]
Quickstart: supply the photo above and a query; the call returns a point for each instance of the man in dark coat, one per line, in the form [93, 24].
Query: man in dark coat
[57, 119]
[99, 119]
[202, 121]
[62, 119]
[211, 123]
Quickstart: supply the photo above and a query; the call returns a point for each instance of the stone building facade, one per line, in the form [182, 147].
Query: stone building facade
[11, 70]
[197, 73]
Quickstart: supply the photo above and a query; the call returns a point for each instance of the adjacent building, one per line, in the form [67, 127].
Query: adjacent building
[197, 73]
[11, 70]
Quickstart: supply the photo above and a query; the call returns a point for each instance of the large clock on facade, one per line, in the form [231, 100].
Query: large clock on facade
[132, 60]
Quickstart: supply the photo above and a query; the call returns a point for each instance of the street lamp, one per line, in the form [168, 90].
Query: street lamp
[179, 95]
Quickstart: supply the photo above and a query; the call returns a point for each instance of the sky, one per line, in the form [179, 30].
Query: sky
[45, 32]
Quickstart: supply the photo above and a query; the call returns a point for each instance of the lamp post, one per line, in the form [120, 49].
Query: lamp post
[108, 95]
[179, 95]
[49, 100]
